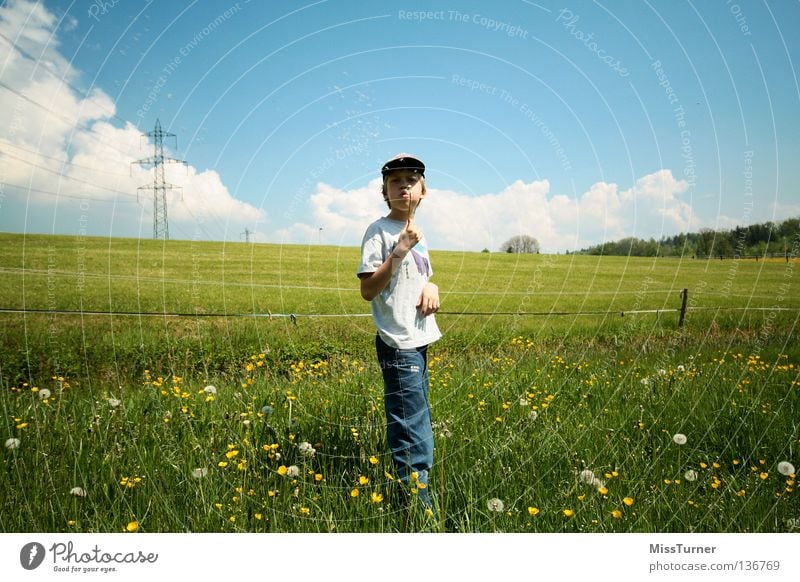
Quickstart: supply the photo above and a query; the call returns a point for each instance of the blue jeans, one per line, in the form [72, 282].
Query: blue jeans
[408, 414]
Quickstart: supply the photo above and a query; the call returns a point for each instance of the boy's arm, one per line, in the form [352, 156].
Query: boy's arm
[373, 283]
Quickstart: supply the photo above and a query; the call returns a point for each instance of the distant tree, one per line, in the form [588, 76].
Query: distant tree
[522, 243]
[752, 240]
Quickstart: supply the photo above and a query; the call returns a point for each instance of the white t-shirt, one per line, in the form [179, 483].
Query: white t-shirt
[394, 309]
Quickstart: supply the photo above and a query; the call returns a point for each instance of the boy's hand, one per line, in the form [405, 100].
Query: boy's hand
[428, 300]
[409, 237]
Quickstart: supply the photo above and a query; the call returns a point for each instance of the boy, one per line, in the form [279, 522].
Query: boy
[394, 272]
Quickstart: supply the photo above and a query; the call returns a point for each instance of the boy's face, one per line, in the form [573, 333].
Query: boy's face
[404, 188]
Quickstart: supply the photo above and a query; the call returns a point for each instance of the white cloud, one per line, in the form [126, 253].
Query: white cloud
[59, 151]
[451, 220]
[780, 212]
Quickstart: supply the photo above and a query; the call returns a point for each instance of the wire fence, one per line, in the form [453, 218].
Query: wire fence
[295, 316]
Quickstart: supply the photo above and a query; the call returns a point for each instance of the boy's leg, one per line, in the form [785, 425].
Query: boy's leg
[408, 417]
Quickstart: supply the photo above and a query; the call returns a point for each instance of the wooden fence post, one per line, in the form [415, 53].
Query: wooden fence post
[684, 298]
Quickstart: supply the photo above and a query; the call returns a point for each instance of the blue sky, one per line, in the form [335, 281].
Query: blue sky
[574, 122]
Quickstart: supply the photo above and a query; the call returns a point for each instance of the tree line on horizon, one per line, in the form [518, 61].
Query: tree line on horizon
[765, 239]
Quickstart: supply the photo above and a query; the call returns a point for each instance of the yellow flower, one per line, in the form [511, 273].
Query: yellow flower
[628, 501]
[305, 511]
[354, 492]
[616, 514]
[282, 470]
[763, 475]
[363, 480]
[257, 516]
[740, 493]
[317, 476]
[232, 453]
[428, 512]
[602, 490]
[568, 512]
[132, 526]
[373, 460]
[222, 464]
[376, 497]
[533, 511]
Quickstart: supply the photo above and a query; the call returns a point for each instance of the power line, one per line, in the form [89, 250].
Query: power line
[45, 66]
[74, 196]
[59, 174]
[63, 161]
[67, 121]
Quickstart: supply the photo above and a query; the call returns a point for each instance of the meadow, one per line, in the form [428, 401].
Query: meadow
[565, 396]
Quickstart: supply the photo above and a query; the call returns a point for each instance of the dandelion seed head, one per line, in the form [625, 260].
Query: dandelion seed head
[267, 410]
[44, 394]
[690, 475]
[13, 443]
[210, 389]
[77, 492]
[306, 449]
[587, 476]
[679, 439]
[786, 468]
[680, 368]
[199, 472]
[292, 471]
[495, 505]
[113, 402]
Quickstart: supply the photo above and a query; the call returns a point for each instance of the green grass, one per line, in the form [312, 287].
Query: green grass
[521, 403]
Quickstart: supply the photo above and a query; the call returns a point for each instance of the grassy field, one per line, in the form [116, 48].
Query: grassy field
[544, 396]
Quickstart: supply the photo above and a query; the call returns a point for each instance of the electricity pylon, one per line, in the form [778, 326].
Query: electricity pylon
[160, 185]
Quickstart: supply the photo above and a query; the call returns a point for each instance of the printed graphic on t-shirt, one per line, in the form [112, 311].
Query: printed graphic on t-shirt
[423, 266]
